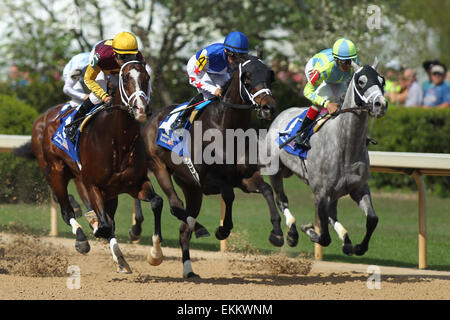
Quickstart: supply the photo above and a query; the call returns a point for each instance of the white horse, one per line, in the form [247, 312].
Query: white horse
[337, 163]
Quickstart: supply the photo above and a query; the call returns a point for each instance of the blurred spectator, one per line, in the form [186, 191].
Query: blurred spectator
[438, 96]
[412, 94]
[447, 77]
[392, 87]
[427, 67]
[18, 78]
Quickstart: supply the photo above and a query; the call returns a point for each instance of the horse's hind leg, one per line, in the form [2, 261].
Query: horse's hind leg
[363, 199]
[58, 182]
[257, 184]
[283, 204]
[147, 193]
[347, 246]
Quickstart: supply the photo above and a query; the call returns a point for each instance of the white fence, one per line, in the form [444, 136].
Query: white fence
[415, 164]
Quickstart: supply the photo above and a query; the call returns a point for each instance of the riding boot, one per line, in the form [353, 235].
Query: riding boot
[302, 139]
[181, 120]
[71, 129]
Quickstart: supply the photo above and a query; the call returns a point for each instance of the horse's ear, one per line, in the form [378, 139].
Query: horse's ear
[355, 66]
[375, 63]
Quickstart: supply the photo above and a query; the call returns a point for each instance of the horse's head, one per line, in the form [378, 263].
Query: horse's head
[255, 79]
[369, 89]
[135, 89]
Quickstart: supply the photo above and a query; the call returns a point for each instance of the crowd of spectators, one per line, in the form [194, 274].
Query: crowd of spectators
[403, 87]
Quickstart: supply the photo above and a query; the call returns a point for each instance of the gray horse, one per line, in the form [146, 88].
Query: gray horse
[338, 161]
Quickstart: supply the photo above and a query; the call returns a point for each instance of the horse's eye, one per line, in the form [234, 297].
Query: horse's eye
[362, 81]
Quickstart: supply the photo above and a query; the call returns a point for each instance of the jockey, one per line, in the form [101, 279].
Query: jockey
[209, 69]
[73, 74]
[328, 73]
[105, 61]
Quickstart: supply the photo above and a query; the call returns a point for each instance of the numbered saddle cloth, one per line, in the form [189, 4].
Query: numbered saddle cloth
[170, 140]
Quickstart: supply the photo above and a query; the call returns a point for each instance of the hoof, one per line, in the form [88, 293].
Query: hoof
[201, 232]
[324, 241]
[222, 233]
[348, 249]
[154, 261]
[360, 249]
[276, 240]
[191, 275]
[134, 238]
[82, 247]
[123, 266]
[292, 236]
[310, 232]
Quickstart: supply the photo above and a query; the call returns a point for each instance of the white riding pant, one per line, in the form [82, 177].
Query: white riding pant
[206, 82]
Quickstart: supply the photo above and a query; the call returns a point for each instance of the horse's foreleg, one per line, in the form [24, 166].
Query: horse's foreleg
[222, 232]
[134, 234]
[322, 207]
[347, 246]
[122, 265]
[185, 238]
[256, 184]
[283, 204]
[363, 199]
[105, 227]
[59, 182]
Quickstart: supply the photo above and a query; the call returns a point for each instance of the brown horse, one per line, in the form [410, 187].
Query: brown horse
[247, 90]
[112, 156]
[37, 153]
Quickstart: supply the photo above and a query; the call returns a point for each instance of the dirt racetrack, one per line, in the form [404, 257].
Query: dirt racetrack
[231, 276]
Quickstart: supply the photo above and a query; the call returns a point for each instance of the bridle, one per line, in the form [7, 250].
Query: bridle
[374, 95]
[251, 97]
[128, 100]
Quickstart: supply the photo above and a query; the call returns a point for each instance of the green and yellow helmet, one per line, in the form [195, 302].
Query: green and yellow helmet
[125, 43]
[344, 49]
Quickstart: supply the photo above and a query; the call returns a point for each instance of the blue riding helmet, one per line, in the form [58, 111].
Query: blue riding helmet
[236, 42]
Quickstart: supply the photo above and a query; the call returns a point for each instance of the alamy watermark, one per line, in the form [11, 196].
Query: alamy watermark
[232, 147]
[374, 280]
[374, 20]
[74, 280]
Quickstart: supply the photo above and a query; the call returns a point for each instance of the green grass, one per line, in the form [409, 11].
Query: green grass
[394, 242]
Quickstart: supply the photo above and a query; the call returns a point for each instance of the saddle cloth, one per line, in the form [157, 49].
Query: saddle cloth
[60, 139]
[167, 138]
[292, 129]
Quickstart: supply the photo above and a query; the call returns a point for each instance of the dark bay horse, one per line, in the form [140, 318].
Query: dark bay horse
[37, 153]
[113, 160]
[338, 162]
[248, 89]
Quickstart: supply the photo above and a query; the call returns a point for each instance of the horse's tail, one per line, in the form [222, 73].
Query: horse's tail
[24, 151]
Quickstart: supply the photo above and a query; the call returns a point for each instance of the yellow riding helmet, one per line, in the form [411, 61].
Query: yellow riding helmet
[125, 43]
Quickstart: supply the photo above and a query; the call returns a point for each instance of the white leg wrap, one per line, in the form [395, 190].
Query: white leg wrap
[75, 225]
[289, 217]
[340, 230]
[114, 246]
[191, 222]
[187, 268]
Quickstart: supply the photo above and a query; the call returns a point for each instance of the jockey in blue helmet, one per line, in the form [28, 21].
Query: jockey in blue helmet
[209, 69]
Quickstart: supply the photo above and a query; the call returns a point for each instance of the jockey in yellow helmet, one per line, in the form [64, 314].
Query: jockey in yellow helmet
[105, 61]
[328, 73]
